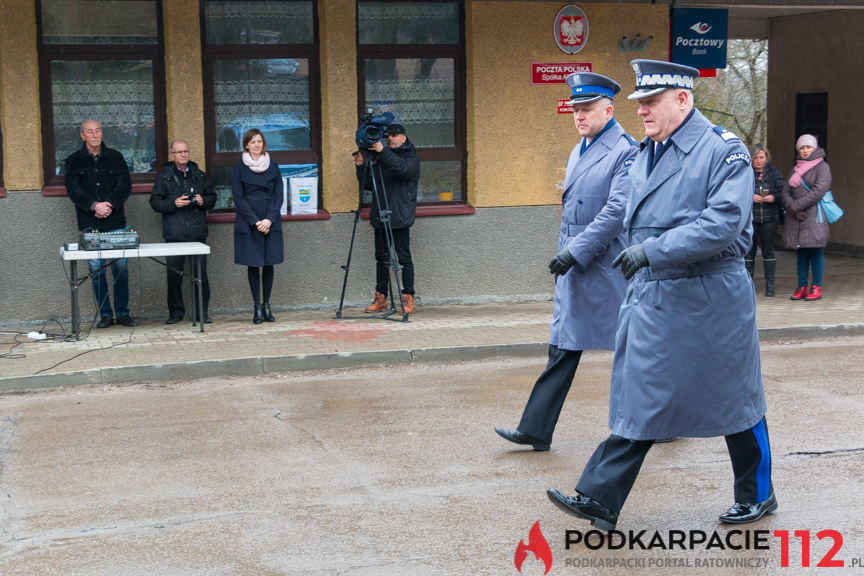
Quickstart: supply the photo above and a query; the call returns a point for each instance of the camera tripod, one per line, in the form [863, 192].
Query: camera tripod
[379, 194]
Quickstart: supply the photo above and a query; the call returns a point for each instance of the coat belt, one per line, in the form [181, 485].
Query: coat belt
[691, 270]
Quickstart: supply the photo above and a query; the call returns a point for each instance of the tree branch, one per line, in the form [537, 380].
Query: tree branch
[715, 111]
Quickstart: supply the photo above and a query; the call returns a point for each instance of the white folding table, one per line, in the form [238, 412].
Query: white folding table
[152, 251]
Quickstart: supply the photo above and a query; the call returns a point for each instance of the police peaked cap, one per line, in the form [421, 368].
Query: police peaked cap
[588, 86]
[655, 76]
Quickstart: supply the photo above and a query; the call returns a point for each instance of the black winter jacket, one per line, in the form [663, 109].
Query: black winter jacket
[91, 179]
[189, 223]
[399, 168]
[771, 181]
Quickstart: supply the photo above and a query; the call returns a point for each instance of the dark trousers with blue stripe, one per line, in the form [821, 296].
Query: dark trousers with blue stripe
[612, 469]
[751, 463]
[547, 398]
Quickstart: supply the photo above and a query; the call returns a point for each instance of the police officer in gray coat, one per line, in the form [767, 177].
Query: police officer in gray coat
[588, 292]
[686, 349]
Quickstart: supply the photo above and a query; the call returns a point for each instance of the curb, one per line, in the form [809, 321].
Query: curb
[261, 365]
[258, 365]
[834, 330]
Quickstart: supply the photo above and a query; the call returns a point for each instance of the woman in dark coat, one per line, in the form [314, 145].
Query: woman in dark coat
[258, 197]
[806, 228]
[767, 211]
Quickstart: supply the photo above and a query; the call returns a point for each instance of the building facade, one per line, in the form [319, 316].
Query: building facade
[466, 78]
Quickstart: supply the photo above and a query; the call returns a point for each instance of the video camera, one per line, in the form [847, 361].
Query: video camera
[373, 129]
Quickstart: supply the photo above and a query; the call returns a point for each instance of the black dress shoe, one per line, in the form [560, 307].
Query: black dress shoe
[584, 507]
[665, 440]
[173, 320]
[105, 322]
[265, 311]
[126, 321]
[258, 317]
[746, 513]
[518, 437]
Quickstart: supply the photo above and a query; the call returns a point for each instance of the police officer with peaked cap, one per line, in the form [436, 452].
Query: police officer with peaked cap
[686, 349]
[588, 292]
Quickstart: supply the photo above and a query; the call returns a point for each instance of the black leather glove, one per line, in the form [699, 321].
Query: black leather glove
[562, 262]
[631, 260]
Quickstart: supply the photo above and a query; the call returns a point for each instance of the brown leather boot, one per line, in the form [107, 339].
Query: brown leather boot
[379, 304]
[408, 303]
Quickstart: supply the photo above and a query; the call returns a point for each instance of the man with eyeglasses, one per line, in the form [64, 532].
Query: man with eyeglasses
[183, 195]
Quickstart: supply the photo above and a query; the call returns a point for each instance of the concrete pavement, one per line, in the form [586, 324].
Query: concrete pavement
[232, 345]
[396, 471]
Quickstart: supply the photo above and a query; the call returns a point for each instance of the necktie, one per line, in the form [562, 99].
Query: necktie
[659, 147]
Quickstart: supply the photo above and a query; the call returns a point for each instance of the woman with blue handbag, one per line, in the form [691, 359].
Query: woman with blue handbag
[805, 228]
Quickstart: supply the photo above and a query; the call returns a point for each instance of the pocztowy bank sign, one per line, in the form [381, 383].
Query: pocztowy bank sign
[699, 37]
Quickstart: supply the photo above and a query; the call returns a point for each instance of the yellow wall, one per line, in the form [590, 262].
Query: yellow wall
[19, 96]
[338, 54]
[184, 87]
[19, 90]
[518, 144]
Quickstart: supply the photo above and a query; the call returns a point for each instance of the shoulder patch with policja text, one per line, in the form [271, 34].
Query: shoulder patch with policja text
[738, 157]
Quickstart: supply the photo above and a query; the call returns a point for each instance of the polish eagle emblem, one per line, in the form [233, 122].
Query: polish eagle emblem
[572, 30]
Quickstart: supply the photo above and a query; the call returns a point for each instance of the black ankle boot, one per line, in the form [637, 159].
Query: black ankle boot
[258, 318]
[268, 315]
[770, 271]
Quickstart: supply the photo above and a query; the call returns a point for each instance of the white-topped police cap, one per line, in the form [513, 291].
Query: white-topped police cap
[588, 86]
[655, 76]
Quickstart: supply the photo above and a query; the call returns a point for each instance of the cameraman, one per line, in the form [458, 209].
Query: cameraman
[397, 172]
[183, 195]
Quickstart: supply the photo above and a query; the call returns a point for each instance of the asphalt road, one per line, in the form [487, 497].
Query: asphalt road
[397, 471]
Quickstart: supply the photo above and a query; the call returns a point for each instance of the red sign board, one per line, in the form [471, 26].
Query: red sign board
[564, 106]
[556, 72]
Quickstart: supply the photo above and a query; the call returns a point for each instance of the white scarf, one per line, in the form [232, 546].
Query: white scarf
[260, 165]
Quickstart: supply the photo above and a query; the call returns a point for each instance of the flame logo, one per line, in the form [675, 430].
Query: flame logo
[536, 544]
[700, 28]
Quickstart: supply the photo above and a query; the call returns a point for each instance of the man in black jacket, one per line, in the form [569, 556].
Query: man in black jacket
[97, 181]
[400, 175]
[183, 195]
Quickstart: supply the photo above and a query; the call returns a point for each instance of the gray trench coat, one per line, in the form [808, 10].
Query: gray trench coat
[596, 187]
[687, 348]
